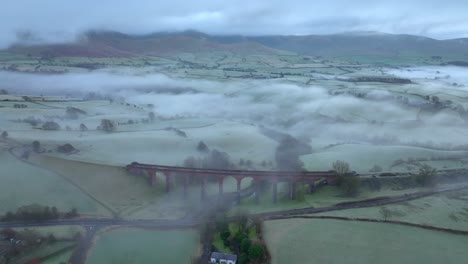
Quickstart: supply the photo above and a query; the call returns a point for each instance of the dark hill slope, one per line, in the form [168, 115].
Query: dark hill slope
[113, 44]
[366, 44]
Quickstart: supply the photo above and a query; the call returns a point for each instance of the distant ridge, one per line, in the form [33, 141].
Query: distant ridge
[115, 44]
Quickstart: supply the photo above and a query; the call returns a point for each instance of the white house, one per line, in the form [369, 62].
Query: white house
[223, 258]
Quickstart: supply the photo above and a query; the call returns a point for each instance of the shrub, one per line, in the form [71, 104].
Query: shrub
[350, 186]
[426, 176]
[245, 245]
[376, 168]
[107, 125]
[36, 145]
[256, 252]
[73, 112]
[300, 192]
[202, 147]
[51, 125]
[83, 128]
[243, 258]
[66, 149]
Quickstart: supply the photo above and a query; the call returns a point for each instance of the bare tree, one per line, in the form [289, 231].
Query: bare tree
[385, 212]
[341, 167]
[83, 127]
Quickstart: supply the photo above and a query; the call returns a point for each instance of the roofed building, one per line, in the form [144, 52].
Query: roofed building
[223, 258]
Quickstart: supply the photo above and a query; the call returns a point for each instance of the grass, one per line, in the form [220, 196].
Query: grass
[448, 210]
[44, 250]
[123, 246]
[63, 257]
[59, 232]
[322, 197]
[363, 157]
[333, 241]
[219, 244]
[23, 184]
[101, 182]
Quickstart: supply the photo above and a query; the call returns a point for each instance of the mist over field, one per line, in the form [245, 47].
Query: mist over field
[304, 111]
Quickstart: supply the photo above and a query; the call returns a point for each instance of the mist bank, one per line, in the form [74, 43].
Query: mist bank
[321, 114]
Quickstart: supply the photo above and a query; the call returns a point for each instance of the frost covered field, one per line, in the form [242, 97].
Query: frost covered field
[365, 124]
[130, 245]
[299, 240]
[162, 119]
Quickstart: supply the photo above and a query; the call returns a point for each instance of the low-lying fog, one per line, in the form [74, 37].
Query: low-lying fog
[364, 112]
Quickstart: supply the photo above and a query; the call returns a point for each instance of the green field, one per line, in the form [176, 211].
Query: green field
[24, 184]
[363, 157]
[322, 197]
[332, 241]
[448, 210]
[122, 246]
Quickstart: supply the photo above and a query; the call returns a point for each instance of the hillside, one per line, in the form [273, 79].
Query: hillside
[113, 44]
[366, 44]
[347, 46]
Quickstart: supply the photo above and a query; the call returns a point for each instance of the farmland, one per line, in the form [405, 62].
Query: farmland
[74, 123]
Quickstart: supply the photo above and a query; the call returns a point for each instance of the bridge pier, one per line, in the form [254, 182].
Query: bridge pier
[275, 191]
[293, 190]
[239, 181]
[186, 183]
[168, 181]
[257, 191]
[152, 177]
[220, 185]
[203, 190]
[312, 187]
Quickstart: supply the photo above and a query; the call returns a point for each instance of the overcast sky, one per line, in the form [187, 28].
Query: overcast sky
[61, 20]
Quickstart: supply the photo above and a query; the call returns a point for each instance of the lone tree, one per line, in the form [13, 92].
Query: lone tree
[151, 116]
[36, 145]
[341, 167]
[51, 125]
[202, 147]
[426, 176]
[349, 184]
[107, 125]
[4, 135]
[83, 127]
[385, 212]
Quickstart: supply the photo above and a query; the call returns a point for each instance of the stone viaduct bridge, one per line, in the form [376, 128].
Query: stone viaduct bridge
[186, 174]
